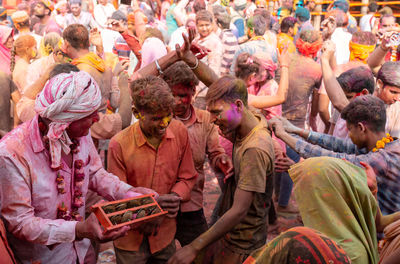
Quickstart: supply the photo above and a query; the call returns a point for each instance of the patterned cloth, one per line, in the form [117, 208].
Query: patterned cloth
[386, 163]
[300, 245]
[5, 53]
[334, 199]
[67, 97]
[230, 44]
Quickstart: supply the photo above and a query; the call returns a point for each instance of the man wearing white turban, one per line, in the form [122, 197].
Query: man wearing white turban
[47, 166]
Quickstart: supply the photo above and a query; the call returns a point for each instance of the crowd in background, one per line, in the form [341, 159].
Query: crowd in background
[280, 106]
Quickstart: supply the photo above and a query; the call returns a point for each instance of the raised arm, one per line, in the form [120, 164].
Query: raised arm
[333, 89]
[280, 97]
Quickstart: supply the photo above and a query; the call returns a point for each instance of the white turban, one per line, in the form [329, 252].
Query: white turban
[65, 98]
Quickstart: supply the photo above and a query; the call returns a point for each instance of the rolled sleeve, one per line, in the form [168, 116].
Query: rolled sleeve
[19, 214]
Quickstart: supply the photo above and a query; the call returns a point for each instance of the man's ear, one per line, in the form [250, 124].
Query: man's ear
[239, 105]
[364, 92]
[362, 127]
[136, 113]
[379, 84]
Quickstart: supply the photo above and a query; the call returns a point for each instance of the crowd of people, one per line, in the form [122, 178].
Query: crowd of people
[102, 101]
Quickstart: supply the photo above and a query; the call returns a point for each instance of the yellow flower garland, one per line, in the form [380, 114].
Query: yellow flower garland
[381, 143]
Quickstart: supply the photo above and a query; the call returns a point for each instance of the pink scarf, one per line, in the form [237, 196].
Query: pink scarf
[5, 54]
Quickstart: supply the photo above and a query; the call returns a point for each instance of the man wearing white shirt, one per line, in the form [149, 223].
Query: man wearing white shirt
[102, 12]
[77, 16]
[341, 37]
[367, 21]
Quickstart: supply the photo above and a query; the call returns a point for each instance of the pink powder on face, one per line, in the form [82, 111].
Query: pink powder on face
[232, 115]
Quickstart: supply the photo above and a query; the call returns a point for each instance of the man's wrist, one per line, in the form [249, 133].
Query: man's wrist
[79, 230]
[383, 49]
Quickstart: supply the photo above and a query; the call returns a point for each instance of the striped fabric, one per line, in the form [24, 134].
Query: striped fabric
[122, 49]
[300, 245]
[230, 47]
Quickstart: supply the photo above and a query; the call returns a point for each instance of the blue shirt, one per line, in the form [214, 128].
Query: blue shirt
[385, 162]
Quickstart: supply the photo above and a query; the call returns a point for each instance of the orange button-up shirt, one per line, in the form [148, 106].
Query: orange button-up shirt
[167, 169]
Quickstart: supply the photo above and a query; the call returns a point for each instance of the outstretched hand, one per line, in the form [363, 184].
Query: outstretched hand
[283, 57]
[190, 50]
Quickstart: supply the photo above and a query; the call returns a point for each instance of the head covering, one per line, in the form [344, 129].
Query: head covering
[308, 49]
[360, 52]
[334, 199]
[3, 11]
[118, 15]
[300, 243]
[342, 5]
[60, 4]
[66, 98]
[131, 18]
[91, 59]
[19, 16]
[302, 12]
[49, 4]
[239, 4]
[152, 49]
[5, 53]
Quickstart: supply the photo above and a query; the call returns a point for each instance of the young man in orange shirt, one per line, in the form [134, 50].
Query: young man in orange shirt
[155, 151]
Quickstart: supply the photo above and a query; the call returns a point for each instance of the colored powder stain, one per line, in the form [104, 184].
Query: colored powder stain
[232, 114]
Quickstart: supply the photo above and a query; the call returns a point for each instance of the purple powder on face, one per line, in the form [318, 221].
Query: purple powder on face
[233, 115]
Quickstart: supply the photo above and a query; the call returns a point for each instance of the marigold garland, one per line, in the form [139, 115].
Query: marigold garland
[380, 144]
[79, 176]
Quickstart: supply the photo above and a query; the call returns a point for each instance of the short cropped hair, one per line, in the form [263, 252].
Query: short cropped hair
[357, 79]
[77, 36]
[287, 23]
[151, 94]
[228, 89]
[224, 20]
[367, 109]
[372, 7]
[180, 73]
[258, 24]
[204, 15]
[389, 73]
[63, 68]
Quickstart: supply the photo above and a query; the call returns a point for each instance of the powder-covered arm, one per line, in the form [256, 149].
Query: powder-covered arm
[18, 212]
